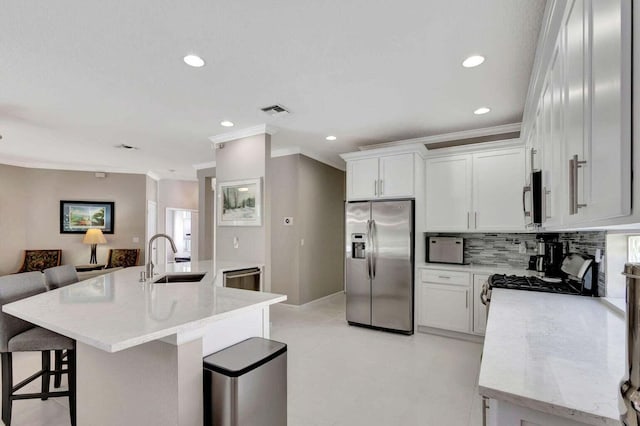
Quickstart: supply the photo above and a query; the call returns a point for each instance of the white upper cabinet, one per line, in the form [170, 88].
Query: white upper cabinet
[479, 191]
[448, 193]
[609, 169]
[498, 178]
[578, 114]
[385, 173]
[362, 179]
[396, 175]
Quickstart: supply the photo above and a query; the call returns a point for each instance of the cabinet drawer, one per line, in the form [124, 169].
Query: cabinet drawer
[444, 277]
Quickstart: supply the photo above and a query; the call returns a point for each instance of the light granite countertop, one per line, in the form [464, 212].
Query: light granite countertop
[115, 311]
[554, 353]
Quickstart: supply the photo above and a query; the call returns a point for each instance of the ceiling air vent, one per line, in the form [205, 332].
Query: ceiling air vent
[126, 147]
[275, 110]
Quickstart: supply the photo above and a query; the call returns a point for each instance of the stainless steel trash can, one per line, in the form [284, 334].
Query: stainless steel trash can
[246, 384]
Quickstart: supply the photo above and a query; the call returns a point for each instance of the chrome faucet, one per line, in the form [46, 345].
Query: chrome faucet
[149, 266]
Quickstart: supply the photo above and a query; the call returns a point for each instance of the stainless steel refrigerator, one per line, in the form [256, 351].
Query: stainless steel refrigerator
[379, 264]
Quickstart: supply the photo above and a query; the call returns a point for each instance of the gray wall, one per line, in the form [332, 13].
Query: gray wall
[321, 201]
[30, 212]
[14, 202]
[285, 240]
[313, 194]
[206, 203]
[240, 159]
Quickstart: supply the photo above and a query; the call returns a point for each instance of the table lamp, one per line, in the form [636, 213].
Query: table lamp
[94, 237]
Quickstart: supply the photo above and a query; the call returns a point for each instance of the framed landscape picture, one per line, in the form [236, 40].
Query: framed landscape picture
[78, 216]
[240, 203]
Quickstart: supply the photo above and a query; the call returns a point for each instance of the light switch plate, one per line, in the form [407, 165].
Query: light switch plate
[136, 239]
[287, 221]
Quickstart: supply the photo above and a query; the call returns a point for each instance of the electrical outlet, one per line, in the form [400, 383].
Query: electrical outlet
[136, 240]
[287, 221]
[236, 242]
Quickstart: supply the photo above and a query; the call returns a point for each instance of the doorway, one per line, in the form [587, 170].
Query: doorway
[182, 226]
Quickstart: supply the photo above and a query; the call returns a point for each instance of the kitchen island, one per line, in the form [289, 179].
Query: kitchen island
[552, 359]
[139, 345]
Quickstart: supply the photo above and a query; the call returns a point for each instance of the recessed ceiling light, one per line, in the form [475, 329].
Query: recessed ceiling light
[482, 110]
[473, 61]
[194, 61]
[331, 138]
[226, 123]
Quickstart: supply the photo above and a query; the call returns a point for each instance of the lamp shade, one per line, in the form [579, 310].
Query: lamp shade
[94, 236]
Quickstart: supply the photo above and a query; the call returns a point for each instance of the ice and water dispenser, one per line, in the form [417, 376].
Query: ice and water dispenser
[358, 246]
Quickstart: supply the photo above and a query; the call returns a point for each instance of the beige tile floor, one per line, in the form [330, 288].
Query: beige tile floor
[342, 375]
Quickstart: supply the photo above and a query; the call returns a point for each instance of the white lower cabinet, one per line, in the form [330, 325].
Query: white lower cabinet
[479, 310]
[445, 306]
[444, 300]
[501, 413]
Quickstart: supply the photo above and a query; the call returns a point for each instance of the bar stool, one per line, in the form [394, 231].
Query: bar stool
[17, 335]
[56, 277]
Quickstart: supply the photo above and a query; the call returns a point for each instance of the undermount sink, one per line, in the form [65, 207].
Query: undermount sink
[180, 278]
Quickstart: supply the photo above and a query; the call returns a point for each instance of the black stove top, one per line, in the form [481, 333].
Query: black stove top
[548, 285]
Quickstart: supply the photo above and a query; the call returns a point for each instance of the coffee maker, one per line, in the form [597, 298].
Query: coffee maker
[549, 255]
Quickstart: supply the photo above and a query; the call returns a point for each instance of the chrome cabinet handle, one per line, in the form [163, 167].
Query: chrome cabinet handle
[527, 214]
[375, 187]
[444, 277]
[572, 187]
[475, 220]
[485, 408]
[574, 204]
[466, 299]
[468, 223]
[381, 187]
[544, 203]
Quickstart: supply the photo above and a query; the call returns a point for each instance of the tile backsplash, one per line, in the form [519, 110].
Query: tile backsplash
[502, 249]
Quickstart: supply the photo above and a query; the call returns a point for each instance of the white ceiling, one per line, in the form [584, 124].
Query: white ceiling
[79, 77]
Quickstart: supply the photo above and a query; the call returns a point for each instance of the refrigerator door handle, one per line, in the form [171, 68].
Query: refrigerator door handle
[374, 248]
[368, 249]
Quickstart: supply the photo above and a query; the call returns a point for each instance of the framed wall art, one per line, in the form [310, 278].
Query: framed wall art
[240, 203]
[78, 216]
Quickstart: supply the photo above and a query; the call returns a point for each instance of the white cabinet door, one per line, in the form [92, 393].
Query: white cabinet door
[553, 173]
[362, 177]
[498, 178]
[445, 307]
[396, 176]
[575, 33]
[479, 310]
[448, 193]
[609, 166]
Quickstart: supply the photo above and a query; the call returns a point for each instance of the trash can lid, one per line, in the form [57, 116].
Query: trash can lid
[243, 357]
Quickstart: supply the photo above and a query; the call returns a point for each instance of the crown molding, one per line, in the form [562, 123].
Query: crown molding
[67, 167]
[207, 165]
[283, 152]
[244, 133]
[153, 175]
[446, 137]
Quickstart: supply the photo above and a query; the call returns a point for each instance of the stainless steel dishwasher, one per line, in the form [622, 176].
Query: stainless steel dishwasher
[245, 279]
